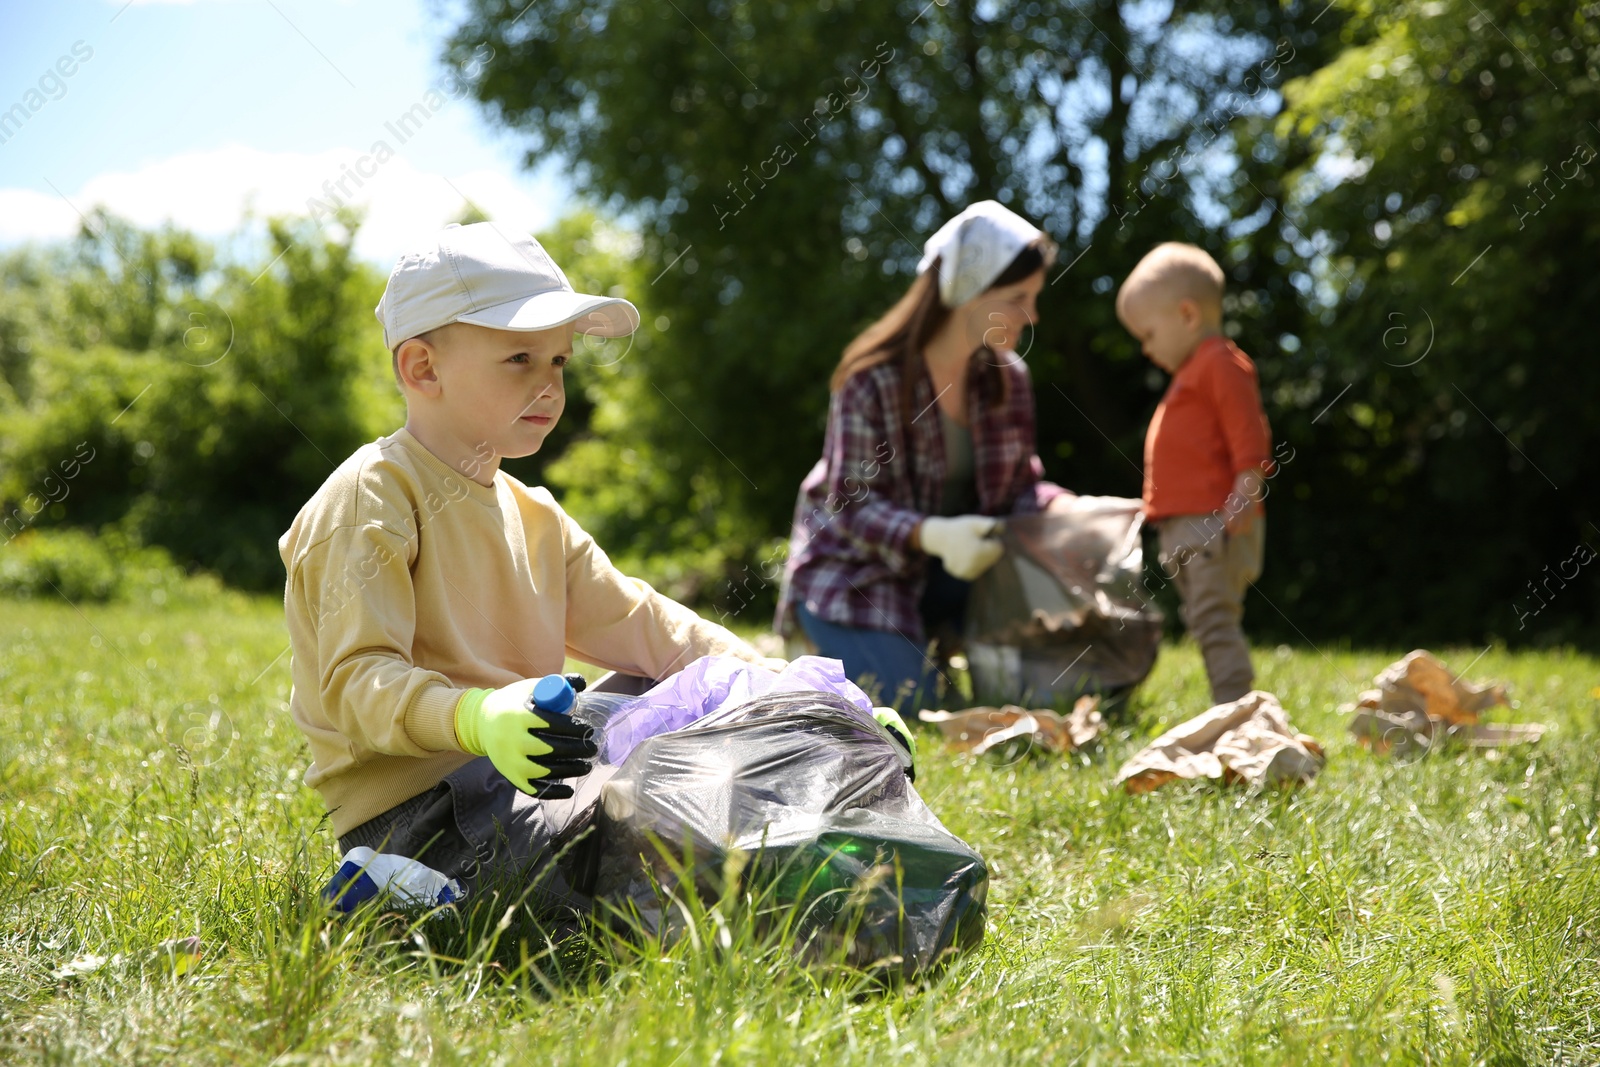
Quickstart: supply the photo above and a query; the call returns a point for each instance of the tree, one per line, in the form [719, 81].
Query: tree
[196, 404]
[784, 163]
[1443, 232]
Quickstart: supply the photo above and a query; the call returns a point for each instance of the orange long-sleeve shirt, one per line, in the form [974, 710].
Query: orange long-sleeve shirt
[1208, 427]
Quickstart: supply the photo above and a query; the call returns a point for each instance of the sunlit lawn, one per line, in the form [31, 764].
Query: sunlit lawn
[1442, 911]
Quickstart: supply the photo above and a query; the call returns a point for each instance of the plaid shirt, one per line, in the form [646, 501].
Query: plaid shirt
[850, 560]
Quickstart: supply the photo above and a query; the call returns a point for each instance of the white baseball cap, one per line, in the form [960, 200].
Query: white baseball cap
[975, 248]
[482, 275]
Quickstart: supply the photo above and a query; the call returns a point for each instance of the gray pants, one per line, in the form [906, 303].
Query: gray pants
[1212, 570]
[475, 826]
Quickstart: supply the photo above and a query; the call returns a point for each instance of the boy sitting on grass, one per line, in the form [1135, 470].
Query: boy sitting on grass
[428, 590]
[1206, 454]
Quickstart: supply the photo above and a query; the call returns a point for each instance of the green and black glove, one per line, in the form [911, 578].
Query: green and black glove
[532, 748]
[890, 720]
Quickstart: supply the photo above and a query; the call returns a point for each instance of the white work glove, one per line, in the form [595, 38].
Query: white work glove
[963, 543]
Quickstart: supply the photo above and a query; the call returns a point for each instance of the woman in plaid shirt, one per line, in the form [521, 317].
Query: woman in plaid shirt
[930, 438]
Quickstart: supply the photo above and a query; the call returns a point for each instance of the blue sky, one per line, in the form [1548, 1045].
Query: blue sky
[198, 111]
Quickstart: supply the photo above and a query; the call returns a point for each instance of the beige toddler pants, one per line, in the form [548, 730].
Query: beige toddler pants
[1212, 569]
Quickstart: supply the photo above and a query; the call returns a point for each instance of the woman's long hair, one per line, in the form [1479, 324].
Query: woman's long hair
[902, 334]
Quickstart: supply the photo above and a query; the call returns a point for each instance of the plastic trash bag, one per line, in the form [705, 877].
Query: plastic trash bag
[804, 793]
[713, 682]
[1063, 613]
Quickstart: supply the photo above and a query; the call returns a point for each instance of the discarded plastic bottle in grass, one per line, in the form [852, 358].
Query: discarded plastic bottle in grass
[364, 875]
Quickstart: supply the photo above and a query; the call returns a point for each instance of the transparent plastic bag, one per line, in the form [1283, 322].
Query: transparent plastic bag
[805, 794]
[713, 682]
[1065, 611]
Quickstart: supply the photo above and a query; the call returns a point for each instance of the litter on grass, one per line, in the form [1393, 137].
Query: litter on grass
[1419, 704]
[365, 875]
[179, 955]
[84, 965]
[981, 730]
[1248, 741]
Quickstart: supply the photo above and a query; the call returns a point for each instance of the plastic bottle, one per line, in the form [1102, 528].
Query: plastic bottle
[557, 693]
[553, 694]
[364, 874]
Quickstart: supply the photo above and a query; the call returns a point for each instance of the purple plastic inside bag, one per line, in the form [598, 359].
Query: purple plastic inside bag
[713, 682]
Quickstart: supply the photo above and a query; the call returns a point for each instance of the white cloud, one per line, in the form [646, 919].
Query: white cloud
[211, 192]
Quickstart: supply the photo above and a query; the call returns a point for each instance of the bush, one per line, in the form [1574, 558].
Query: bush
[68, 563]
[81, 567]
[190, 403]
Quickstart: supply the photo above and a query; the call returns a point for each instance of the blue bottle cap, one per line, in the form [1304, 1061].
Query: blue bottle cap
[554, 694]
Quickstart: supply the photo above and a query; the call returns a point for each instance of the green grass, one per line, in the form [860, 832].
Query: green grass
[1442, 911]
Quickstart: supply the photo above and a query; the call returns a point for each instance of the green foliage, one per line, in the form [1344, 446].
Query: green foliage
[196, 404]
[1439, 223]
[785, 162]
[1435, 912]
[78, 567]
[71, 563]
[642, 498]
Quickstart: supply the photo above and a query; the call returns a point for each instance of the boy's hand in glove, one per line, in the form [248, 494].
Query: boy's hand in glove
[962, 542]
[531, 748]
[890, 720]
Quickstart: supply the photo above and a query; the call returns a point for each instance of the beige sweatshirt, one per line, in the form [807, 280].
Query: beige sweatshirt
[409, 583]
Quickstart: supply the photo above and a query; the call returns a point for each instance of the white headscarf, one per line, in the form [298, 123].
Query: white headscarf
[974, 248]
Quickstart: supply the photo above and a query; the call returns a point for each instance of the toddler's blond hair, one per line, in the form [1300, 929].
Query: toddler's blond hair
[1175, 271]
